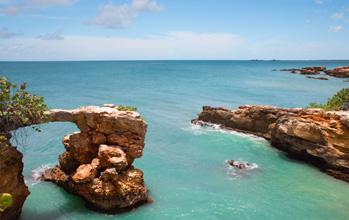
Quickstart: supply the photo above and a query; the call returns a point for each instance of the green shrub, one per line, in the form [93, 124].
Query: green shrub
[339, 101]
[5, 201]
[126, 108]
[18, 108]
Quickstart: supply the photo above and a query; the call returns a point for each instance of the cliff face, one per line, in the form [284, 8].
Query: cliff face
[97, 163]
[12, 180]
[314, 136]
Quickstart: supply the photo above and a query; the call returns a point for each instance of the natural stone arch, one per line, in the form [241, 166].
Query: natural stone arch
[97, 163]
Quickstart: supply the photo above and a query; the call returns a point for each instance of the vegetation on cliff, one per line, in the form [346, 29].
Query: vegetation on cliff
[339, 101]
[126, 108]
[5, 201]
[18, 108]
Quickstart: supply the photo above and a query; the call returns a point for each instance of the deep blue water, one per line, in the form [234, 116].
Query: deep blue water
[185, 166]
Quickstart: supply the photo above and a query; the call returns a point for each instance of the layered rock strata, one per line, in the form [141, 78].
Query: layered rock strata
[97, 163]
[314, 136]
[12, 180]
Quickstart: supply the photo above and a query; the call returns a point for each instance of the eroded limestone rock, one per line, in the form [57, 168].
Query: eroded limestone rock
[314, 136]
[12, 180]
[97, 163]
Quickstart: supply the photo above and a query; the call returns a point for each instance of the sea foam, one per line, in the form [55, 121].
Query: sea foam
[198, 129]
[36, 173]
[234, 172]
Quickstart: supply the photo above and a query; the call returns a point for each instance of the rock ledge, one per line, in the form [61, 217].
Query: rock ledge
[314, 136]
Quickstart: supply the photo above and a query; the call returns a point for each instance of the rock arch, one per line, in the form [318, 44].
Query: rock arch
[97, 163]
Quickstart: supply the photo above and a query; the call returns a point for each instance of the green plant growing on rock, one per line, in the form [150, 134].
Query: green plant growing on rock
[126, 108]
[339, 101]
[19, 109]
[5, 201]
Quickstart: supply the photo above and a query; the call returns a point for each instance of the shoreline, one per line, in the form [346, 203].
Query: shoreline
[316, 137]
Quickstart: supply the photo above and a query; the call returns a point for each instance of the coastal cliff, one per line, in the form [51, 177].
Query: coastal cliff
[12, 180]
[317, 137]
[97, 163]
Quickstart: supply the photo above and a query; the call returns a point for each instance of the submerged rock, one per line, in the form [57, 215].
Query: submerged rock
[314, 136]
[321, 78]
[97, 163]
[238, 164]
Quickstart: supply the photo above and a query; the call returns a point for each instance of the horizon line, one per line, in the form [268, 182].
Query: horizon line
[255, 60]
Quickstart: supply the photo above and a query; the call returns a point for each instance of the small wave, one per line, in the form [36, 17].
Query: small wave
[234, 172]
[36, 173]
[202, 127]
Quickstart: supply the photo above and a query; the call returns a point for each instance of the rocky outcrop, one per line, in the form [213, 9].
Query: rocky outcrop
[314, 136]
[312, 70]
[12, 180]
[307, 70]
[97, 163]
[339, 72]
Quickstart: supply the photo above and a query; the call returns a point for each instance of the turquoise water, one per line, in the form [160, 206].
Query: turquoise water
[185, 166]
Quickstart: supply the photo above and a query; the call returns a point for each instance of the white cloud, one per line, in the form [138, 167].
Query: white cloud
[5, 34]
[337, 16]
[11, 10]
[319, 1]
[51, 2]
[16, 9]
[335, 28]
[5, 2]
[114, 17]
[174, 45]
[177, 45]
[55, 36]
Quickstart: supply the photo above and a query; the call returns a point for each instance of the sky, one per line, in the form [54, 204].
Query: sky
[58, 30]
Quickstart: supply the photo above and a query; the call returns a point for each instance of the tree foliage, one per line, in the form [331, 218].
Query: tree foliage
[18, 108]
[339, 101]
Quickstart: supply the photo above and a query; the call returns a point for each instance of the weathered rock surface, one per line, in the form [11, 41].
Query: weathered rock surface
[339, 72]
[97, 163]
[12, 180]
[314, 136]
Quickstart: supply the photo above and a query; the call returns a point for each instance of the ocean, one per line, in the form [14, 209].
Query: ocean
[185, 166]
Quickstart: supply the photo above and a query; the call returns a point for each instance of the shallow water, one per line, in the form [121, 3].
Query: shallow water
[185, 166]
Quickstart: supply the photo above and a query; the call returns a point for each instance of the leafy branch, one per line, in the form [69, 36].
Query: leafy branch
[19, 109]
[339, 101]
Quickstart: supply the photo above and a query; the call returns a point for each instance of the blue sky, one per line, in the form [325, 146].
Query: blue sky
[40, 30]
